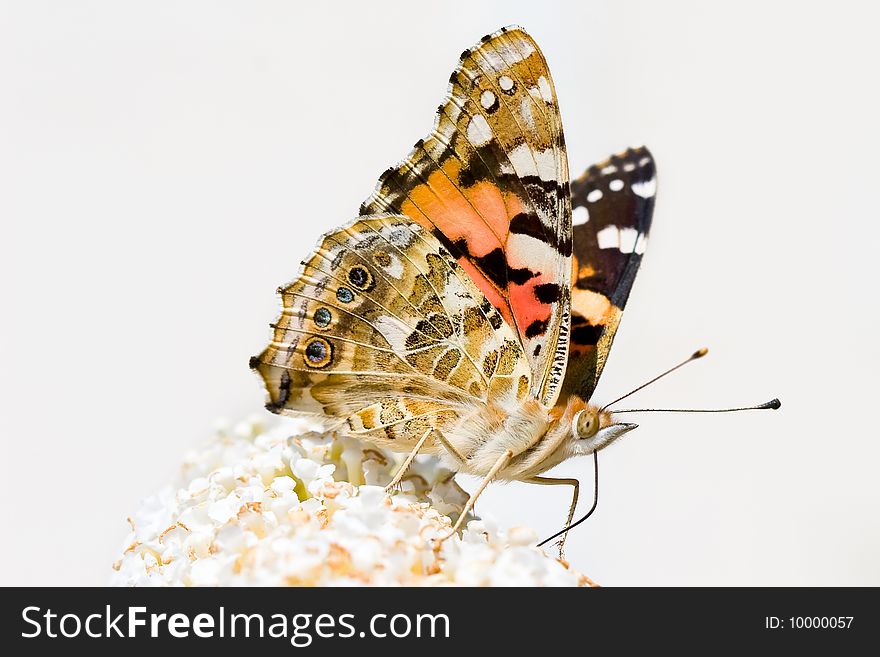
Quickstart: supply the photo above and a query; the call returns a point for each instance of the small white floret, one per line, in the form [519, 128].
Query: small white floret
[261, 507]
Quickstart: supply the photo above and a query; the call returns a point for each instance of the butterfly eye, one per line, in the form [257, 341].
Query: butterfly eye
[318, 353]
[585, 424]
[360, 278]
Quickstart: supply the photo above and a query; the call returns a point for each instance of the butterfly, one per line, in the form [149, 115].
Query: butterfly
[468, 310]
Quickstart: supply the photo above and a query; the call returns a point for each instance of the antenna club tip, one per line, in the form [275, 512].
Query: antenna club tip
[699, 353]
[774, 404]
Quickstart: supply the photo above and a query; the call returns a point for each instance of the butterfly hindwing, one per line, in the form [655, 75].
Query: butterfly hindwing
[491, 184]
[612, 204]
[384, 331]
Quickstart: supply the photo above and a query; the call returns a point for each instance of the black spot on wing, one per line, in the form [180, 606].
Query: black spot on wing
[536, 328]
[552, 187]
[467, 177]
[548, 292]
[283, 394]
[520, 276]
[583, 333]
[494, 266]
[527, 223]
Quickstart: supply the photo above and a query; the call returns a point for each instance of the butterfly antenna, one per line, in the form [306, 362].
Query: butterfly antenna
[699, 353]
[772, 404]
[592, 508]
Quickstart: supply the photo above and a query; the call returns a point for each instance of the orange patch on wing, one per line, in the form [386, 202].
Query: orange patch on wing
[490, 204]
[478, 214]
[579, 271]
[528, 308]
[594, 307]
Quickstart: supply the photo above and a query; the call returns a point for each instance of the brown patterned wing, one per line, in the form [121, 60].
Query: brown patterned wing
[612, 204]
[491, 184]
[384, 334]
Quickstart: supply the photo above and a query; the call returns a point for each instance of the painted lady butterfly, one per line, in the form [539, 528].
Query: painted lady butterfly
[469, 309]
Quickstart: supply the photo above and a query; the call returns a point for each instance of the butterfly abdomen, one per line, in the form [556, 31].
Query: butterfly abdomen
[490, 429]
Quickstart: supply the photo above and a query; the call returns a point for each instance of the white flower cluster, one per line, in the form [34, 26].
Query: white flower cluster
[288, 505]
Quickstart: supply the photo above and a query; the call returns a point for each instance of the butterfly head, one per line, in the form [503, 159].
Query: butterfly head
[592, 428]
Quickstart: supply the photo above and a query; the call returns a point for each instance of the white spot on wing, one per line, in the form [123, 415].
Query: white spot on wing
[580, 215]
[627, 239]
[393, 330]
[527, 251]
[641, 244]
[534, 163]
[615, 185]
[478, 131]
[487, 99]
[518, 54]
[645, 189]
[446, 127]
[399, 236]
[505, 82]
[608, 237]
[546, 91]
[522, 161]
[609, 169]
[525, 109]
[506, 167]
[395, 269]
[502, 54]
[454, 296]
[594, 196]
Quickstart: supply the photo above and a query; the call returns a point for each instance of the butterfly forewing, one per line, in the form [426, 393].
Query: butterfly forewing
[491, 184]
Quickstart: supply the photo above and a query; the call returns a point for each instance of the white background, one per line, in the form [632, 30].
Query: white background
[165, 165]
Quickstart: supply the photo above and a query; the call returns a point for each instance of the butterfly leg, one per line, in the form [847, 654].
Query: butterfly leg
[409, 459]
[450, 447]
[575, 484]
[499, 465]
